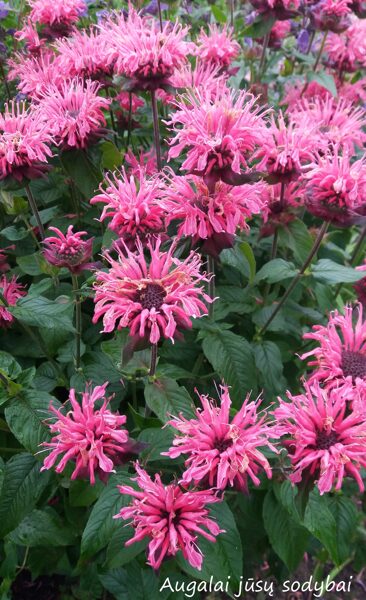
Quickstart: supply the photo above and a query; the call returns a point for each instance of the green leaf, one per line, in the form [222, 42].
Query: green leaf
[247, 251]
[332, 520]
[260, 26]
[268, 361]
[43, 528]
[22, 486]
[101, 524]
[232, 357]
[111, 156]
[81, 493]
[324, 79]
[165, 398]
[158, 440]
[296, 236]
[223, 558]
[118, 554]
[35, 264]
[328, 271]
[219, 15]
[287, 537]
[276, 270]
[9, 366]
[25, 416]
[143, 582]
[82, 171]
[14, 234]
[42, 312]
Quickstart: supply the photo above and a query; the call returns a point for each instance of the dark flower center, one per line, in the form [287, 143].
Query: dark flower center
[325, 440]
[222, 445]
[151, 296]
[70, 256]
[353, 364]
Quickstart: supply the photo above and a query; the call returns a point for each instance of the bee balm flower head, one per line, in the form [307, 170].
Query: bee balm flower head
[326, 440]
[69, 250]
[170, 518]
[154, 300]
[217, 47]
[11, 291]
[218, 135]
[92, 438]
[221, 451]
[56, 13]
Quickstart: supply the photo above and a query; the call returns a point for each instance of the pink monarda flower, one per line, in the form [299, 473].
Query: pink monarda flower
[278, 33]
[326, 440]
[128, 101]
[24, 142]
[205, 76]
[141, 52]
[11, 291]
[170, 517]
[69, 250]
[335, 188]
[144, 163]
[211, 218]
[282, 9]
[91, 437]
[221, 451]
[56, 12]
[286, 150]
[217, 47]
[75, 112]
[83, 55]
[333, 122]
[341, 354]
[218, 136]
[133, 206]
[280, 204]
[347, 51]
[331, 15]
[152, 300]
[36, 74]
[29, 35]
[295, 93]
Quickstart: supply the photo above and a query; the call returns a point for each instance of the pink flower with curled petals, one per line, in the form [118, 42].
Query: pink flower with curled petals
[204, 76]
[332, 122]
[56, 12]
[286, 150]
[296, 92]
[29, 35]
[170, 517]
[218, 136]
[11, 291]
[144, 163]
[74, 111]
[36, 73]
[282, 9]
[335, 188]
[83, 54]
[92, 438]
[211, 217]
[133, 205]
[127, 100]
[331, 15]
[326, 439]
[217, 47]
[346, 51]
[221, 451]
[278, 33]
[141, 52]
[340, 356]
[69, 250]
[154, 300]
[24, 142]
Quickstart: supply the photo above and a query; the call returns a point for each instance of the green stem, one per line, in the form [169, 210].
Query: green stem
[317, 61]
[156, 129]
[160, 16]
[231, 8]
[153, 360]
[34, 209]
[75, 286]
[211, 284]
[263, 56]
[5, 80]
[299, 275]
[129, 121]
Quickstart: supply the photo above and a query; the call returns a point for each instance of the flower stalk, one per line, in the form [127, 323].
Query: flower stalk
[156, 129]
[299, 275]
[34, 209]
[78, 322]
